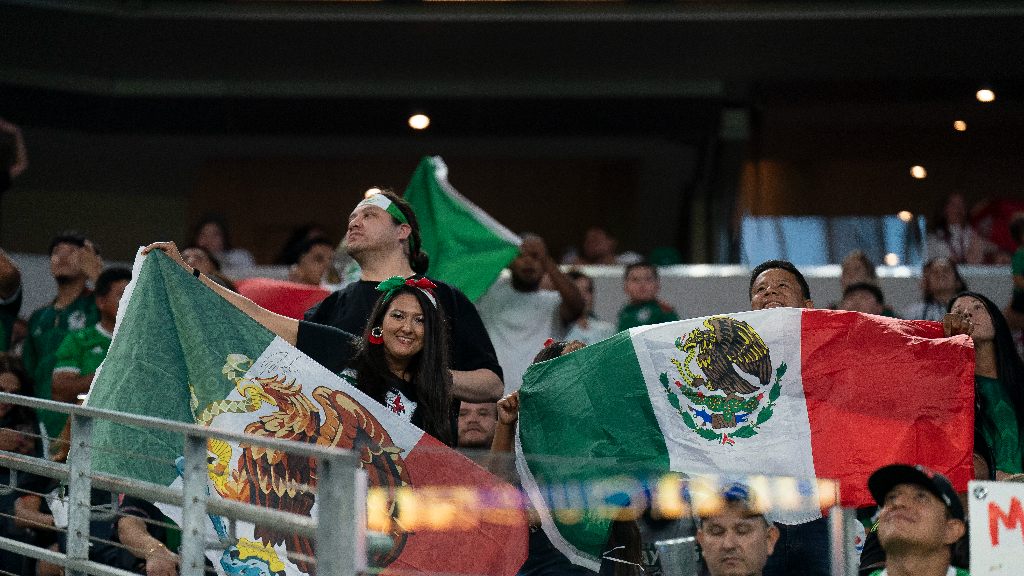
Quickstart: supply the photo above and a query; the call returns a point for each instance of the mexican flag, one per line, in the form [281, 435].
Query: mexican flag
[289, 299]
[467, 247]
[181, 352]
[783, 392]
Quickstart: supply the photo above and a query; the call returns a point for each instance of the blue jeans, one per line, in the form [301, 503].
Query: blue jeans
[802, 550]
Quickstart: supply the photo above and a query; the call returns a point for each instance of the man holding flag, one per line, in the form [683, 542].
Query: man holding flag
[384, 238]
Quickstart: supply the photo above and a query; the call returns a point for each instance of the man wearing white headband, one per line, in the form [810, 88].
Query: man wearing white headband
[383, 237]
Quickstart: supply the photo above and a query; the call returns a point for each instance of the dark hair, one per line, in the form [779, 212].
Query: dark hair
[213, 259]
[550, 352]
[577, 275]
[428, 369]
[418, 259]
[1017, 228]
[928, 295]
[106, 279]
[73, 237]
[296, 239]
[308, 245]
[861, 257]
[218, 220]
[780, 265]
[1008, 361]
[865, 287]
[641, 264]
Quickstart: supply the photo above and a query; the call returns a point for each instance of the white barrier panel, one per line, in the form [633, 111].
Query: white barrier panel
[997, 527]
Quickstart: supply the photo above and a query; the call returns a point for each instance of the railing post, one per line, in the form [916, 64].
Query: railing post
[341, 520]
[79, 492]
[195, 485]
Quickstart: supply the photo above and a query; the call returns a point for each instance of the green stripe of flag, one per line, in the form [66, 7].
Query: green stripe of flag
[614, 431]
[161, 345]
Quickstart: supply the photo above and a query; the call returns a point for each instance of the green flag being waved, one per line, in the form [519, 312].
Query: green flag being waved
[467, 247]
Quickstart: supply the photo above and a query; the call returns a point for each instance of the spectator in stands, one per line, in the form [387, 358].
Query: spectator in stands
[519, 315]
[313, 259]
[998, 379]
[384, 238]
[140, 527]
[19, 433]
[802, 548]
[212, 233]
[296, 239]
[599, 247]
[953, 237]
[857, 268]
[920, 521]
[940, 281]
[74, 261]
[18, 162]
[82, 350]
[10, 299]
[641, 285]
[201, 259]
[476, 424]
[1015, 313]
[736, 539]
[588, 328]
[863, 297]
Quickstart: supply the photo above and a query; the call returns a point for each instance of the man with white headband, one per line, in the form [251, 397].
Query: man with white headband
[384, 238]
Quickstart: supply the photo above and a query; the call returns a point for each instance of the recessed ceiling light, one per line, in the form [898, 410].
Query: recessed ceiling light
[918, 172]
[985, 95]
[960, 126]
[419, 121]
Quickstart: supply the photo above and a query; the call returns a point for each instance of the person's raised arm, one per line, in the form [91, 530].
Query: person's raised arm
[572, 301]
[480, 385]
[283, 326]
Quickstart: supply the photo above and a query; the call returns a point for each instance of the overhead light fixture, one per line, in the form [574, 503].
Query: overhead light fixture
[905, 215]
[985, 95]
[959, 125]
[371, 192]
[891, 259]
[419, 121]
[918, 172]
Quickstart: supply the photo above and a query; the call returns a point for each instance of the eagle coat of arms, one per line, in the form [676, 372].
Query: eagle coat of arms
[721, 404]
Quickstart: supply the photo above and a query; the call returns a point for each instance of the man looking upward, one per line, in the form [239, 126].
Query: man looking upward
[383, 237]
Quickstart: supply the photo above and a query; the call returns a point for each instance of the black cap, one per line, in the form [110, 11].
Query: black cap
[888, 477]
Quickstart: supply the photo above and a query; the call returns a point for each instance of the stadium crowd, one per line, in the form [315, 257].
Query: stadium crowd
[456, 366]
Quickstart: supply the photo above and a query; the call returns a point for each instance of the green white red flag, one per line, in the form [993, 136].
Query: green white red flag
[785, 392]
[467, 247]
[181, 352]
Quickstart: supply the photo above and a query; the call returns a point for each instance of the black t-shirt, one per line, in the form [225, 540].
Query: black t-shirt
[350, 307]
[5, 179]
[333, 349]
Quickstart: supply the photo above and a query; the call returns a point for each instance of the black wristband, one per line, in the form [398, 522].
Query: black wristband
[195, 272]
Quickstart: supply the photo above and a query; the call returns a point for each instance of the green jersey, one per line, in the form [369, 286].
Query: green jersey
[644, 313]
[47, 328]
[998, 423]
[82, 351]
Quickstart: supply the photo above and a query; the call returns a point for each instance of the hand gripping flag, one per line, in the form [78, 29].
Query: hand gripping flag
[467, 247]
[786, 392]
[183, 353]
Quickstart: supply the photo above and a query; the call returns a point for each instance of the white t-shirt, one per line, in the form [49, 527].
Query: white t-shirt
[518, 324]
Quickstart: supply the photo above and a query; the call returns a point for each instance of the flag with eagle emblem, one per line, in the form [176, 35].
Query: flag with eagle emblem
[181, 352]
[784, 392]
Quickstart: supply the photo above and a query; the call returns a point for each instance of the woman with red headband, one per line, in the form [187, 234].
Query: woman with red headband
[401, 360]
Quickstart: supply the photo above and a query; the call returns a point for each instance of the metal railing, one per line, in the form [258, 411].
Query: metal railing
[338, 527]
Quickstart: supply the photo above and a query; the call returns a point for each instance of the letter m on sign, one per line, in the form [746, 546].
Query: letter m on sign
[1012, 520]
